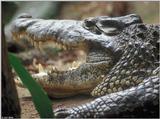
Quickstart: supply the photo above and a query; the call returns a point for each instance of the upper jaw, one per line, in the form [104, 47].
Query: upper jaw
[67, 32]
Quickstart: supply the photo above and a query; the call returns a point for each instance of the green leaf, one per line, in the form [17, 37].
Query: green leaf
[39, 96]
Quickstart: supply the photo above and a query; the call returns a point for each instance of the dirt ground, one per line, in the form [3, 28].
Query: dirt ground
[28, 110]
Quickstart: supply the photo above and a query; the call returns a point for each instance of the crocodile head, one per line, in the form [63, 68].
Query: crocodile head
[96, 37]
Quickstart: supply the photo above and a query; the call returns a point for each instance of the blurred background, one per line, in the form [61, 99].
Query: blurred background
[149, 11]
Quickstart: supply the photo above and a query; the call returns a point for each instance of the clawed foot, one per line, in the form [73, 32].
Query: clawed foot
[62, 112]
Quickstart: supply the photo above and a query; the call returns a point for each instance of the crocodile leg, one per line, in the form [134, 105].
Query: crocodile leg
[127, 103]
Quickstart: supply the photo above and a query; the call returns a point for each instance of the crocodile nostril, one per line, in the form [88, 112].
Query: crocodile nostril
[24, 15]
[88, 23]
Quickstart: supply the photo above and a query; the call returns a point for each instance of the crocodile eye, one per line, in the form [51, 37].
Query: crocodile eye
[89, 23]
[110, 27]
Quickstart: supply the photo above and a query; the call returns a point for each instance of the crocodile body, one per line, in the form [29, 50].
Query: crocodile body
[121, 64]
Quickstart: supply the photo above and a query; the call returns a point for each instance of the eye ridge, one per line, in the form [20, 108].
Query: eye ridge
[109, 27]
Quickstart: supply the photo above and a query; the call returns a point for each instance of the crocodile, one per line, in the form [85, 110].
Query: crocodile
[120, 69]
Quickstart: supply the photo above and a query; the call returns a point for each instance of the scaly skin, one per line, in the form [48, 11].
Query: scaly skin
[140, 101]
[120, 63]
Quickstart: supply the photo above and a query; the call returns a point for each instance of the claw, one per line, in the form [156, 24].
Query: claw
[54, 70]
[61, 112]
[40, 68]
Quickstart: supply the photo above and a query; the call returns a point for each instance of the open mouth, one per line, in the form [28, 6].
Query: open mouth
[59, 56]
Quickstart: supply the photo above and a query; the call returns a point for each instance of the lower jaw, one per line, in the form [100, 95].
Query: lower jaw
[65, 92]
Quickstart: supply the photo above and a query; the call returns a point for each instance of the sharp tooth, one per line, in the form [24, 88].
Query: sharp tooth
[35, 44]
[56, 69]
[15, 37]
[34, 38]
[32, 42]
[56, 44]
[30, 39]
[20, 36]
[53, 67]
[51, 70]
[68, 66]
[27, 38]
[40, 68]
[34, 62]
[67, 48]
[60, 46]
[64, 47]
[40, 46]
[74, 64]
